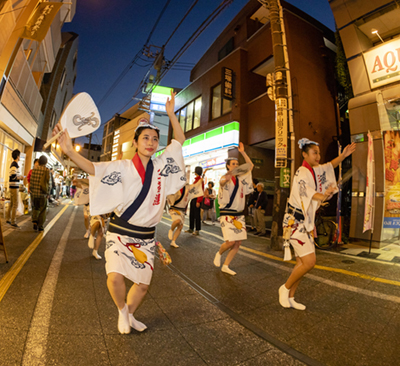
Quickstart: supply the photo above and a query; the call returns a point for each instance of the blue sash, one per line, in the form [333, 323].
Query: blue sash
[233, 194]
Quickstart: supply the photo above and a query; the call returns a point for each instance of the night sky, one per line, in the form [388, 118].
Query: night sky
[112, 32]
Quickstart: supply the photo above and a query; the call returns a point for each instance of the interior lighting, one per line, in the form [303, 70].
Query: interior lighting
[375, 31]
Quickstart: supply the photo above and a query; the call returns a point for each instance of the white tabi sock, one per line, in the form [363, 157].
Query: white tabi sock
[173, 244]
[91, 241]
[227, 270]
[123, 320]
[284, 296]
[296, 305]
[217, 260]
[95, 254]
[170, 234]
[135, 324]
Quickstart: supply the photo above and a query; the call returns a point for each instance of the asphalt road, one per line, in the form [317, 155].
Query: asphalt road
[55, 308]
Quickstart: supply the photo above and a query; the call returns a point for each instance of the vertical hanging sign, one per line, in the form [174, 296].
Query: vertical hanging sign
[281, 133]
[227, 83]
[370, 188]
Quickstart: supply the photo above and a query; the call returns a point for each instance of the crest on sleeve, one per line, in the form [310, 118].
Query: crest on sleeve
[302, 188]
[170, 168]
[112, 179]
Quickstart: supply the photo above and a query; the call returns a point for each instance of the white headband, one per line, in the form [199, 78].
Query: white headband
[146, 125]
[304, 141]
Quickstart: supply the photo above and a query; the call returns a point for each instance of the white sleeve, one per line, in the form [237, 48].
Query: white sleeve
[325, 177]
[174, 167]
[305, 187]
[247, 181]
[106, 191]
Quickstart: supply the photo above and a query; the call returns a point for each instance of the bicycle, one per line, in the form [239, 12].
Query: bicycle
[326, 231]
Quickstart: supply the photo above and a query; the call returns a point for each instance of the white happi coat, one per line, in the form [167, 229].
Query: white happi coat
[229, 231]
[304, 187]
[115, 186]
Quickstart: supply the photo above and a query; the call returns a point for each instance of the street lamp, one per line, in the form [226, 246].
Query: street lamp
[77, 148]
[375, 31]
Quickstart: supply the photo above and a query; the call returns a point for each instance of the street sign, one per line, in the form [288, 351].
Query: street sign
[285, 178]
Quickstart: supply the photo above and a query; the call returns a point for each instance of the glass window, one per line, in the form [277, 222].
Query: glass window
[226, 106]
[189, 117]
[197, 113]
[216, 102]
[182, 118]
[63, 76]
[53, 119]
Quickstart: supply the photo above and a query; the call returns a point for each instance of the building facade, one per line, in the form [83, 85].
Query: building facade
[23, 64]
[370, 34]
[227, 100]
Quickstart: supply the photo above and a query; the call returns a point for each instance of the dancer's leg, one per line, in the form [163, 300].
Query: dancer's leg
[232, 252]
[117, 289]
[307, 263]
[178, 231]
[135, 296]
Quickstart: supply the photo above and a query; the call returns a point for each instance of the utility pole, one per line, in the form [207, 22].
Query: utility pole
[280, 92]
[90, 142]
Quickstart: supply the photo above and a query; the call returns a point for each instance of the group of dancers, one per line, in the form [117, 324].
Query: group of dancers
[134, 191]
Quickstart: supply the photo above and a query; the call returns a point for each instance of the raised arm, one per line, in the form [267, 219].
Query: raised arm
[347, 151]
[245, 156]
[178, 132]
[66, 146]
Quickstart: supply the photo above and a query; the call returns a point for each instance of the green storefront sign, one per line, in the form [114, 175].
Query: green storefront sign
[285, 178]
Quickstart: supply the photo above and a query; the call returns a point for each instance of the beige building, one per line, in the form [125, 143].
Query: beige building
[370, 32]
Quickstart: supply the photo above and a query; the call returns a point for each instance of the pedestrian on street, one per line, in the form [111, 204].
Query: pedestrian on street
[28, 177]
[40, 181]
[208, 203]
[135, 191]
[13, 186]
[232, 199]
[194, 210]
[260, 208]
[252, 201]
[97, 228]
[312, 185]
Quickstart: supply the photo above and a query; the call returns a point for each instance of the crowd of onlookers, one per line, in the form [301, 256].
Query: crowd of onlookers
[44, 189]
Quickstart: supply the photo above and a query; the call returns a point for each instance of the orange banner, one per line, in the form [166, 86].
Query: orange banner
[40, 21]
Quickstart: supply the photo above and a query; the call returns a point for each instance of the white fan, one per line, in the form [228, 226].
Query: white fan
[81, 117]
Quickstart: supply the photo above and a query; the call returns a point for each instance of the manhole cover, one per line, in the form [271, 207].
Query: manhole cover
[348, 261]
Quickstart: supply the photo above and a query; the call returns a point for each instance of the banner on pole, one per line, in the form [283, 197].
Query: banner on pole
[281, 133]
[40, 21]
[370, 188]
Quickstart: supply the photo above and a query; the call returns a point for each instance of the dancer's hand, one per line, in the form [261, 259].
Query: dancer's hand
[170, 104]
[64, 140]
[349, 149]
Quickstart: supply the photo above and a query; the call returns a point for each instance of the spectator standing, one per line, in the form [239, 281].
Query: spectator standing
[252, 201]
[28, 178]
[52, 186]
[194, 213]
[14, 183]
[208, 202]
[58, 182]
[40, 181]
[67, 182]
[259, 212]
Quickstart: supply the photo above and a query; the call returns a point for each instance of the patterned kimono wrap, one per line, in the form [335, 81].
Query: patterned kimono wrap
[234, 226]
[178, 206]
[303, 189]
[114, 187]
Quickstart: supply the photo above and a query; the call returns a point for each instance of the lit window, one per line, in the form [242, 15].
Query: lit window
[219, 106]
[189, 117]
[197, 113]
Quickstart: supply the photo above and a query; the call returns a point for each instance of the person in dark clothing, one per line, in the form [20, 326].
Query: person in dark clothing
[39, 187]
[13, 187]
[259, 212]
[252, 201]
[194, 213]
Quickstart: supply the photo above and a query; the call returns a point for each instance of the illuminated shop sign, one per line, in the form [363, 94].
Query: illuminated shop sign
[159, 97]
[383, 63]
[215, 139]
[227, 83]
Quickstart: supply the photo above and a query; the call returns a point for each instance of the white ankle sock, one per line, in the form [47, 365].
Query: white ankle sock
[296, 305]
[227, 270]
[123, 320]
[135, 324]
[284, 296]
[217, 260]
[173, 244]
[95, 254]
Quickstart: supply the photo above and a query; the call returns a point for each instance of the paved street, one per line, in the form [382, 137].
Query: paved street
[57, 310]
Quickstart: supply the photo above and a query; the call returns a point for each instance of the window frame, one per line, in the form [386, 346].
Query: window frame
[221, 103]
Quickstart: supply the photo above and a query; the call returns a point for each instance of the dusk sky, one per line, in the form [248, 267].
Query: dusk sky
[112, 32]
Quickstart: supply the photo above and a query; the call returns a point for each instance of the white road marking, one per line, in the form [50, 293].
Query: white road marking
[35, 348]
[311, 276]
